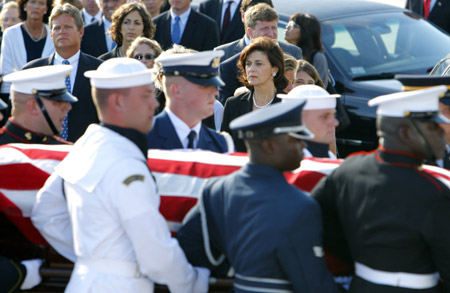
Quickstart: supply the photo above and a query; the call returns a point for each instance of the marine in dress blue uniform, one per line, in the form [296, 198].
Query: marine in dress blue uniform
[267, 230]
[190, 83]
[382, 211]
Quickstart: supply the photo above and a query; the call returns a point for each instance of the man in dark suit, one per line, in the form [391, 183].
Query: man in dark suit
[438, 12]
[96, 41]
[185, 26]
[189, 81]
[66, 29]
[260, 20]
[227, 15]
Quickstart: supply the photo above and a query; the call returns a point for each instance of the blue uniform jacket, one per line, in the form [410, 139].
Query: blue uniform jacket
[164, 136]
[266, 227]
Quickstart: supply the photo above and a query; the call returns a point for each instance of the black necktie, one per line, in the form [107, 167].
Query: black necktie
[191, 140]
[226, 18]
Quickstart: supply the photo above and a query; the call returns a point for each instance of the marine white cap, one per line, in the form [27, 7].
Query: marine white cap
[116, 73]
[44, 78]
[416, 104]
[316, 97]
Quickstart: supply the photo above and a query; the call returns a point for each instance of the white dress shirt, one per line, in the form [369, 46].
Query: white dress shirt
[183, 20]
[73, 62]
[183, 130]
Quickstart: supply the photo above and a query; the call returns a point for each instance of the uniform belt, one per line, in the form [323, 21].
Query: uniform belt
[256, 284]
[396, 279]
[110, 267]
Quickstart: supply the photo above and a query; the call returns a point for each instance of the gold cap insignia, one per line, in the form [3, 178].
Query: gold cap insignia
[216, 62]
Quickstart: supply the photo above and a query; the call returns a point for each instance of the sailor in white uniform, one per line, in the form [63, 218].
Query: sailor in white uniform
[100, 206]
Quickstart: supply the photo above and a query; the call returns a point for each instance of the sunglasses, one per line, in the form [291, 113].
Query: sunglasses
[146, 56]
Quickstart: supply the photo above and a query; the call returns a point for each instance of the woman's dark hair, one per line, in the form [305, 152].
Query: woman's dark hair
[23, 13]
[120, 14]
[274, 54]
[307, 67]
[310, 34]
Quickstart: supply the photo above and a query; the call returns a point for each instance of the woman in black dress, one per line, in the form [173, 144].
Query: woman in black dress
[262, 71]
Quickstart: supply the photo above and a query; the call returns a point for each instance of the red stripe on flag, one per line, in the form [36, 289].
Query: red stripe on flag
[174, 208]
[14, 214]
[22, 177]
[305, 180]
[196, 169]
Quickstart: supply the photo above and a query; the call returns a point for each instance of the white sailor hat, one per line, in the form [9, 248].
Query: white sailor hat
[419, 104]
[200, 68]
[316, 97]
[48, 82]
[279, 118]
[116, 73]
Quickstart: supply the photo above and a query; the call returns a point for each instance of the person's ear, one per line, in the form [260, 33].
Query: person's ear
[115, 102]
[267, 146]
[32, 107]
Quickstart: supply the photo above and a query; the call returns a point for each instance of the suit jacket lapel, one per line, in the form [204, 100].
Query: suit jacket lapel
[80, 79]
[204, 140]
[189, 30]
[166, 131]
[166, 27]
[239, 46]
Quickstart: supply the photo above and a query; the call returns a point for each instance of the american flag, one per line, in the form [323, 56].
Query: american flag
[179, 175]
[24, 168]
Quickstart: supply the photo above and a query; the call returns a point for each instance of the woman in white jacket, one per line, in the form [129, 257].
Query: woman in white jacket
[27, 40]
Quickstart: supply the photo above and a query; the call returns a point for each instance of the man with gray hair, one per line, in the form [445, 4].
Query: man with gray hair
[100, 206]
[66, 29]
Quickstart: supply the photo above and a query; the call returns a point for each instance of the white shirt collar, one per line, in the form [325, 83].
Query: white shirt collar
[88, 17]
[183, 16]
[182, 129]
[106, 22]
[73, 62]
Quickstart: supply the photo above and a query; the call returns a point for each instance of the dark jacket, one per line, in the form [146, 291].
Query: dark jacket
[201, 32]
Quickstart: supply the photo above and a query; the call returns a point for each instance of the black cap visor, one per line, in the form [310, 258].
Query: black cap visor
[60, 95]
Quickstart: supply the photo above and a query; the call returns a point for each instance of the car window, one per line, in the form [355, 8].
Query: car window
[382, 44]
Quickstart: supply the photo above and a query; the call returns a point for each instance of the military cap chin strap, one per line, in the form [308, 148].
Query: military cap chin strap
[430, 153]
[47, 117]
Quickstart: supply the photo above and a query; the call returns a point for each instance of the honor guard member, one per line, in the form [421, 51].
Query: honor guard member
[415, 82]
[319, 116]
[269, 231]
[100, 206]
[382, 211]
[40, 101]
[189, 82]
[15, 275]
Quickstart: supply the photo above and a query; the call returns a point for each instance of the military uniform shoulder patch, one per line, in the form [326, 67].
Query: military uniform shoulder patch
[132, 178]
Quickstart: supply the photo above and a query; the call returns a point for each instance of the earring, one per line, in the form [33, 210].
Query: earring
[24, 9]
[274, 74]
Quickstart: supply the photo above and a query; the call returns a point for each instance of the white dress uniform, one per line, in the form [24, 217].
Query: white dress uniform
[113, 228]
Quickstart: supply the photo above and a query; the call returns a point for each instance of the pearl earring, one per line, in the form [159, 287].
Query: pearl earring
[274, 74]
[24, 9]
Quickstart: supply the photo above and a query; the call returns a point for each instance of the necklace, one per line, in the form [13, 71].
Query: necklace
[263, 106]
[29, 33]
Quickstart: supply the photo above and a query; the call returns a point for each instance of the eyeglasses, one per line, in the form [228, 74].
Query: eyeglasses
[146, 56]
[291, 24]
